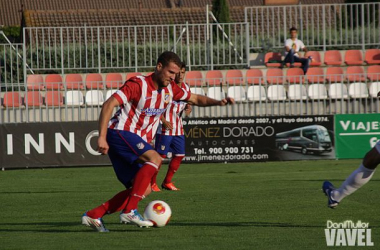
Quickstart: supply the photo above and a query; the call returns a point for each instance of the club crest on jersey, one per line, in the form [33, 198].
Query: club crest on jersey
[167, 97]
[140, 145]
[162, 147]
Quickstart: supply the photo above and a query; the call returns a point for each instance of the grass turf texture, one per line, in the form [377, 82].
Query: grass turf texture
[276, 205]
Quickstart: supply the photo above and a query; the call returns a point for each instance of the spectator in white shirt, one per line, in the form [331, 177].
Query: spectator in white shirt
[292, 47]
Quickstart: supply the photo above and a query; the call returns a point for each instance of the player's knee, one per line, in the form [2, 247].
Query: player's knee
[156, 159]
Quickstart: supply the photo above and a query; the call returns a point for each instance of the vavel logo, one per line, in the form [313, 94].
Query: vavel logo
[348, 233]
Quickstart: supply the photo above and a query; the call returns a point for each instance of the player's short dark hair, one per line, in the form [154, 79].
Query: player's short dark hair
[292, 28]
[183, 65]
[166, 57]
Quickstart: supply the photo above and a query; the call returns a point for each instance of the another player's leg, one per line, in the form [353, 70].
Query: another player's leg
[356, 180]
[178, 150]
[162, 146]
[151, 163]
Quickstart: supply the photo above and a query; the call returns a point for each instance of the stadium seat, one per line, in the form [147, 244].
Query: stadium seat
[33, 99]
[114, 80]
[132, 74]
[12, 99]
[234, 77]
[295, 75]
[74, 82]
[372, 56]
[373, 73]
[109, 93]
[338, 91]
[214, 77]
[315, 75]
[276, 93]
[216, 93]
[273, 59]
[94, 97]
[334, 74]
[256, 93]
[94, 82]
[358, 90]
[374, 89]
[297, 92]
[275, 76]
[194, 78]
[35, 82]
[254, 76]
[198, 91]
[317, 92]
[333, 57]
[316, 58]
[74, 98]
[353, 57]
[237, 92]
[53, 99]
[54, 82]
[355, 74]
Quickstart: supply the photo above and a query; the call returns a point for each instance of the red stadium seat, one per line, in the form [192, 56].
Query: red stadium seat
[53, 99]
[273, 59]
[334, 74]
[333, 57]
[54, 82]
[214, 77]
[373, 73]
[355, 74]
[372, 56]
[74, 81]
[114, 80]
[353, 57]
[35, 82]
[132, 74]
[12, 99]
[315, 75]
[194, 78]
[295, 75]
[275, 76]
[234, 77]
[94, 81]
[33, 99]
[316, 58]
[254, 76]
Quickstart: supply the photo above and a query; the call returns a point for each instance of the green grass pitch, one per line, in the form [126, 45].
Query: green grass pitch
[275, 205]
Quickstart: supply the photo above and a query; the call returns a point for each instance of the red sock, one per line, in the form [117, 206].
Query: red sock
[154, 178]
[140, 184]
[173, 167]
[116, 203]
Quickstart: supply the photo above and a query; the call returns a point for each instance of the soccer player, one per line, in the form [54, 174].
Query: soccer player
[126, 137]
[170, 135]
[356, 180]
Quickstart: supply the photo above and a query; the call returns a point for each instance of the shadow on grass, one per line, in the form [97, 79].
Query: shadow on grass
[42, 192]
[242, 224]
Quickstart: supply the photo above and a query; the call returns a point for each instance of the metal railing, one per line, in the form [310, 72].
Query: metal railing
[258, 96]
[322, 26]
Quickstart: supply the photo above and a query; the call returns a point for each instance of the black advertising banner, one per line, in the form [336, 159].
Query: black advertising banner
[50, 144]
[259, 139]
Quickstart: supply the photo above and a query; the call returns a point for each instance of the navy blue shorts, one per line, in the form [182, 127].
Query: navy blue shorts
[124, 149]
[169, 143]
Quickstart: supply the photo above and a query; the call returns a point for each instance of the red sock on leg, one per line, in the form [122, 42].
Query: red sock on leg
[154, 178]
[140, 184]
[116, 203]
[173, 167]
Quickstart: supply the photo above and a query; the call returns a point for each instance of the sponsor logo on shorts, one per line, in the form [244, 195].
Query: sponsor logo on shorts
[140, 145]
[162, 147]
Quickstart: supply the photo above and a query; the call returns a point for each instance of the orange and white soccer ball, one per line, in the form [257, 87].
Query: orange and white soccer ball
[158, 212]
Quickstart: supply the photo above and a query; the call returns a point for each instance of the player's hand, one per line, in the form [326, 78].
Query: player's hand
[188, 109]
[103, 146]
[226, 101]
[167, 125]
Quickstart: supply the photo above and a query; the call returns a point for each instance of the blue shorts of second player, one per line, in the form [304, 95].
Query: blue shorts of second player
[124, 149]
[169, 143]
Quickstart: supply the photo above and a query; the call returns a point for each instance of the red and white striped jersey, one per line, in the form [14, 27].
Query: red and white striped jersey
[173, 114]
[141, 106]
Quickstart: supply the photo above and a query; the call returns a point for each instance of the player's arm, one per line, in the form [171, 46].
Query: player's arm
[204, 101]
[166, 124]
[188, 109]
[104, 118]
